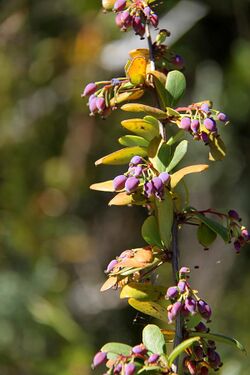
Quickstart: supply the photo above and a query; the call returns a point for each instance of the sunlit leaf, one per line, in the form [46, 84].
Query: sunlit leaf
[221, 338]
[217, 148]
[178, 176]
[126, 96]
[149, 308]
[121, 199]
[136, 70]
[171, 112]
[109, 283]
[181, 348]
[117, 348]
[179, 154]
[144, 52]
[143, 291]
[133, 140]
[103, 186]
[176, 138]
[142, 128]
[175, 87]
[165, 214]
[153, 339]
[169, 333]
[205, 235]
[162, 157]
[150, 231]
[136, 107]
[159, 83]
[122, 156]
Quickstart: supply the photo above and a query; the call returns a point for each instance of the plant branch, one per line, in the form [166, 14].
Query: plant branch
[175, 266]
[150, 47]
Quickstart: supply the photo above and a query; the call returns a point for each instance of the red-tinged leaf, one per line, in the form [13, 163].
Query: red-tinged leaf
[109, 283]
[122, 156]
[178, 176]
[103, 186]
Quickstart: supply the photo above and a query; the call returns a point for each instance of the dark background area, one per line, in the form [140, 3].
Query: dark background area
[57, 236]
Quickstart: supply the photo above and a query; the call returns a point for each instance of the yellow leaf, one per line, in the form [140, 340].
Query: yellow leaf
[136, 107]
[141, 127]
[121, 199]
[177, 176]
[109, 283]
[150, 308]
[125, 96]
[139, 52]
[160, 76]
[143, 291]
[217, 148]
[122, 156]
[103, 186]
[136, 70]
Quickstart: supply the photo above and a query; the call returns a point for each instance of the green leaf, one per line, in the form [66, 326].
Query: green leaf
[216, 227]
[133, 140]
[153, 339]
[205, 235]
[143, 291]
[175, 87]
[221, 338]
[122, 156]
[141, 127]
[176, 138]
[172, 112]
[150, 232]
[179, 154]
[192, 321]
[161, 91]
[178, 176]
[117, 348]
[165, 214]
[162, 157]
[136, 107]
[152, 120]
[147, 369]
[181, 348]
[150, 308]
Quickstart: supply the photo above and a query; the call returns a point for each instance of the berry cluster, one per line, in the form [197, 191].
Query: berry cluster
[104, 96]
[200, 120]
[130, 364]
[134, 14]
[239, 233]
[141, 176]
[185, 301]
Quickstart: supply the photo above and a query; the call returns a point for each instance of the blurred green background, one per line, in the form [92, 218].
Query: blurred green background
[57, 236]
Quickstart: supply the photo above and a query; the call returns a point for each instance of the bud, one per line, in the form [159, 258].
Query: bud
[136, 160]
[131, 184]
[119, 20]
[237, 246]
[222, 117]
[190, 305]
[126, 19]
[89, 89]
[191, 366]
[176, 308]
[154, 20]
[204, 309]
[158, 184]
[165, 177]
[118, 368]
[198, 351]
[139, 349]
[111, 265]
[234, 215]
[184, 270]
[138, 171]
[138, 26]
[119, 182]
[205, 137]
[210, 124]
[201, 327]
[149, 189]
[153, 358]
[177, 60]
[99, 359]
[205, 107]
[245, 234]
[100, 103]
[172, 292]
[182, 286]
[92, 104]
[147, 11]
[185, 123]
[130, 369]
[119, 5]
[195, 125]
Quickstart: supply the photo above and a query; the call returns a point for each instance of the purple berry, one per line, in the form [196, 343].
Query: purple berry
[205, 137]
[210, 124]
[158, 184]
[222, 117]
[149, 189]
[90, 89]
[138, 26]
[154, 20]
[201, 327]
[99, 359]
[119, 5]
[190, 305]
[184, 270]
[119, 20]
[177, 60]
[130, 369]
[201, 306]
[139, 349]
[126, 19]
[234, 215]
[205, 107]
[153, 358]
[195, 126]
[165, 177]
[204, 309]
[111, 265]
[185, 123]
[172, 292]
[92, 104]
[182, 286]
[119, 182]
[176, 308]
[237, 246]
[136, 160]
[100, 104]
[147, 11]
[131, 184]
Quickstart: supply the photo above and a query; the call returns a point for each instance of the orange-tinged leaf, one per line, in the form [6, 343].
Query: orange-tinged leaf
[103, 186]
[109, 283]
[177, 176]
[132, 263]
[136, 70]
[141, 127]
[150, 308]
[121, 199]
[122, 156]
[136, 107]
[139, 52]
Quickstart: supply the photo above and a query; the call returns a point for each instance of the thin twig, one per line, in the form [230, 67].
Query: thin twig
[150, 47]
